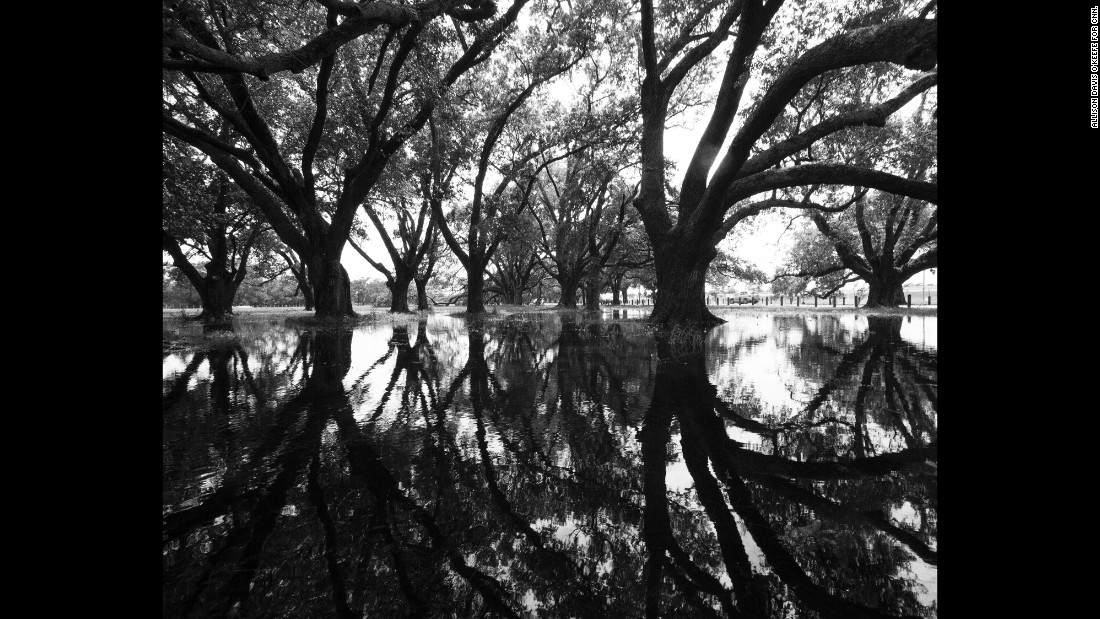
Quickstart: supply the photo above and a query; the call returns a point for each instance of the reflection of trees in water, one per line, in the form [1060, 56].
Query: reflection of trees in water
[880, 380]
[875, 392]
[838, 557]
[534, 469]
[215, 545]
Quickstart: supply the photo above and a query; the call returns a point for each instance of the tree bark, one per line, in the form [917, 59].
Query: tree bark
[399, 292]
[216, 292]
[422, 294]
[681, 287]
[591, 295]
[217, 288]
[331, 286]
[475, 288]
[568, 297]
[884, 292]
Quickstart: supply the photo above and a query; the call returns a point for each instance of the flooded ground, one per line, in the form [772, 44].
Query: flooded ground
[552, 465]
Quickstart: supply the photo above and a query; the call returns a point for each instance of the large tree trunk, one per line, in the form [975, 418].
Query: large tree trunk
[681, 281]
[591, 295]
[216, 294]
[615, 299]
[332, 288]
[422, 294]
[475, 288]
[399, 293]
[885, 292]
[568, 296]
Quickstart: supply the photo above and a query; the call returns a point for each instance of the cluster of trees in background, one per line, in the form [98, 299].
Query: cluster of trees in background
[517, 151]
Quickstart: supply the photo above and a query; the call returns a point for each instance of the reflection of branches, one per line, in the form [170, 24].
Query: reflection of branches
[751, 462]
[179, 387]
[896, 399]
[235, 489]
[844, 371]
[358, 384]
[729, 539]
[260, 395]
[336, 579]
[724, 454]
[381, 522]
[779, 558]
[654, 435]
[365, 463]
[263, 517]
[862, 441]
[490, 475]
[827, 508]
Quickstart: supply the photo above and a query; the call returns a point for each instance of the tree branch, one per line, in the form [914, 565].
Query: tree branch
[829, 174]
[321, 98]
[360, 19]
[873, 116]
[909, 42]
[377, 265]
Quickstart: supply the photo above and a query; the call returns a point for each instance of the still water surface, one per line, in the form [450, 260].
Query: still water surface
[553, 465]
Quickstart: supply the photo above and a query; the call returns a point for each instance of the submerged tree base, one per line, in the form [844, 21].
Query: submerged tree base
[695, 318]
[212, 317]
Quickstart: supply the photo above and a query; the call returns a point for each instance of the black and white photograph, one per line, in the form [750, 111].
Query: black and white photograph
[550, 308]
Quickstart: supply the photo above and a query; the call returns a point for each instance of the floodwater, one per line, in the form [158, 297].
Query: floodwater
[553, 465]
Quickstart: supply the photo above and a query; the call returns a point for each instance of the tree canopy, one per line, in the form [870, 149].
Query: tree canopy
[453, 117]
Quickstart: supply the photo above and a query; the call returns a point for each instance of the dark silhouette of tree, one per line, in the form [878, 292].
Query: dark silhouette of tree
[885, 239]
[514, 268]
[541, 58]
[580, 215]
[307, 174]
[631, 260]
[206, 217]
[274, 260]
[416, 240]
[773, 148]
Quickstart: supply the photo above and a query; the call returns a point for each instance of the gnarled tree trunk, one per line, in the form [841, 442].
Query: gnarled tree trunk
[216, 293]
[568, 296]
[884, 292]
[475, 288]
[422, 294]
[332, 287]
[591, 295]
[681, 287]
[399, 292]
[218, 287]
